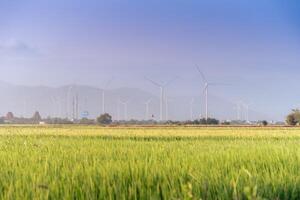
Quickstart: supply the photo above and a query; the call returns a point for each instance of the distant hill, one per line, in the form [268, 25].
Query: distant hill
[49, 101]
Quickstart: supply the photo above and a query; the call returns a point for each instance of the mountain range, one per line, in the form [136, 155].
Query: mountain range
[58, 102]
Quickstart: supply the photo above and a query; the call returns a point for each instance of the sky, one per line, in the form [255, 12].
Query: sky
[252, 46]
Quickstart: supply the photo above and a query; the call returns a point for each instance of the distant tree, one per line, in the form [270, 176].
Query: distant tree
[104, 119]
[178, 123]
[197, 122]
[202, 121]
[58, 121]
[293, 118]
[10, 116]
[2, 120]
[36, 117]
[86, 121]
[212, 121]
[225, 123]
[264, 123]
[209, 121]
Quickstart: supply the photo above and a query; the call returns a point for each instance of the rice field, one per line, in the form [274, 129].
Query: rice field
[89, 162]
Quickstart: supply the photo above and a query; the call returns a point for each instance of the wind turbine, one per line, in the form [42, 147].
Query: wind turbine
[118, 109]
[70, 88]
[206, 87]
[60, 106]
[162, 94]
[125, 103]
[147, 109]
[77, 106]
[167, 107]
[191, 109]
[55, 108]
[247, 112]
[246, 106]
[238, 111]
[103, 94]
[24, 108]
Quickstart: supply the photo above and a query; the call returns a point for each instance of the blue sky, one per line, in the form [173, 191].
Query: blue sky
[252, 45]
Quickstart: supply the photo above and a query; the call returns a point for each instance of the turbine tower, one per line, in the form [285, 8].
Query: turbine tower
[73, 108]
[192, 109]
[246, 107]
[118, 109]
[238, 111]
[24, 108]
[147, 109]
[125, 104]
[247, 112]
[57, 106]
[70, 88]
[162, 94]
[206, 87]
[167, 107]
[77, 107]
[103, 94]
[54, 104]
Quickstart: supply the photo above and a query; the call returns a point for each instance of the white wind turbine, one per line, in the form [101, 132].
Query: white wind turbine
[147, 109]
[125, 104]
[192, 109]
[246, 106]
[55, 107]
[103, 94]
[238, 111]
[167, 99]
[24, 108]
[162, 94]
[69, 91]
[118, 109]
[206, 86]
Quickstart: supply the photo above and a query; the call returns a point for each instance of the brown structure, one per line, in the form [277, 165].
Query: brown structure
[9, 116]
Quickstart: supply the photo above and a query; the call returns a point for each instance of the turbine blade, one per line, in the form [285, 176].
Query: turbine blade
[153, 82]
[192, 101]
[201, 73]
[217, 84]
[204, 90]
[148, 101]
[170, 81]
[109, 82]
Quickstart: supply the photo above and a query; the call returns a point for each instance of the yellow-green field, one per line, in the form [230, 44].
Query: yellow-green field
[82, 162]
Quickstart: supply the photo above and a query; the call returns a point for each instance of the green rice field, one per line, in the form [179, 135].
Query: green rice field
[90, 162]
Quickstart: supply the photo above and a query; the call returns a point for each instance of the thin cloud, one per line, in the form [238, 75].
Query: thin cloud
[17, 48]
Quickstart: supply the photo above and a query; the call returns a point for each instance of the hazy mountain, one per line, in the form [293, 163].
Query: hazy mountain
[49, 101]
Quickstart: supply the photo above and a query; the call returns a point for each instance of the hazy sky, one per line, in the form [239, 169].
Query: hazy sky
[252, 45]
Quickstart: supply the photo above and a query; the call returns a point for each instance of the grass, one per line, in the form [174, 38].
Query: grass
[72, 162]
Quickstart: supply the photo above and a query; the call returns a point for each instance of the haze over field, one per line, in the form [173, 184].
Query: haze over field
[253, 46]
